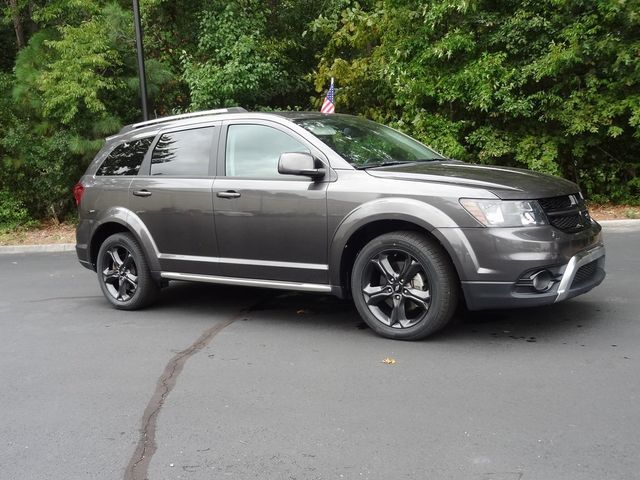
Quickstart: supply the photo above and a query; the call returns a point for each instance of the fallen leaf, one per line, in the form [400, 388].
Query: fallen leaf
[389, 361]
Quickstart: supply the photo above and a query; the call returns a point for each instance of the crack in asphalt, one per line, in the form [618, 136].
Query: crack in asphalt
[138, 465]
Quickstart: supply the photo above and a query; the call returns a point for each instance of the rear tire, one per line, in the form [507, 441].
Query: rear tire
[123, 273]
[404, 286]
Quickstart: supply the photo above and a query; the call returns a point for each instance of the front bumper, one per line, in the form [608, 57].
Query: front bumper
[497, 295]
[495, 264]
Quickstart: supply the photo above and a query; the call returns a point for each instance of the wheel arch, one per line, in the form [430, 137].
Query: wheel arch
[377, 218]
[120, 220]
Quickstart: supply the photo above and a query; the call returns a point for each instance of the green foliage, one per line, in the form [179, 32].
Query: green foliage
[235, 62]
[72, 85]
[249, 53]
[81, 74]
[551, 85]
[37, 167]
[12, 212]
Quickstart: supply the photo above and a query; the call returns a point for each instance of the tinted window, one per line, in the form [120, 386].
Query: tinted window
[184, 153]
[126, 158]
[254, 150]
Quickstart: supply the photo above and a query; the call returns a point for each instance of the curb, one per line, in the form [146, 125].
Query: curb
[620, 223]
[52, 247]
[68, 247]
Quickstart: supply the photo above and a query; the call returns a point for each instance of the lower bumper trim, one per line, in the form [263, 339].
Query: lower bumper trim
[578, 260]
[498, 295]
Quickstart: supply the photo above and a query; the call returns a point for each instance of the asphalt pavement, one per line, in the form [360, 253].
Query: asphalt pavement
[218, 382]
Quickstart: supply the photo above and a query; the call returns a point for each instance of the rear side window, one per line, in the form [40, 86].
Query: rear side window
[183, 153]
[126, 158]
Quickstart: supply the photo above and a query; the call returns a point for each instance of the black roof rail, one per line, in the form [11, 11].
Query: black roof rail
[173, 118]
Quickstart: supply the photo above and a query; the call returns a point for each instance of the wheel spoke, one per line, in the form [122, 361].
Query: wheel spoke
[109, 275]
[419, 297]
[115, 257]
[132, 279]
[122, 289]
[128, 260]
[410, 269]
[385, 267]
[398, 314]
[376, 294]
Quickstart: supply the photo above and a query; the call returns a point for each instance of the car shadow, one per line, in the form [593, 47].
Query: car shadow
[306, 310]
[532, 324]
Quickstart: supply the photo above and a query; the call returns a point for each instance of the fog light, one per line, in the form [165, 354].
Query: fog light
[542, 281]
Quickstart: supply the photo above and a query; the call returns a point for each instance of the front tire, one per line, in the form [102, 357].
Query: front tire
[123, 273]
[404, 286]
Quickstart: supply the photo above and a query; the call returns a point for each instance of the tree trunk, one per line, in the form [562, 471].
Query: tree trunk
[17, 23]
[273, 12]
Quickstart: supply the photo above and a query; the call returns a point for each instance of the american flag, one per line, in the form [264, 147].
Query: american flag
[328, 106]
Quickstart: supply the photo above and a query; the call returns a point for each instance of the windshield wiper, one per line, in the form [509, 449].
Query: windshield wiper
[384, 164]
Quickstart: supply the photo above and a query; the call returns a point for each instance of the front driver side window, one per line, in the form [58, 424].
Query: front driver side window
[254, 150]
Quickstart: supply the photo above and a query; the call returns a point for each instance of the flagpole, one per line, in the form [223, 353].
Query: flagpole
[140, 51]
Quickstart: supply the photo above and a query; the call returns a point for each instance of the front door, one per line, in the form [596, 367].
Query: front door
[269, 226]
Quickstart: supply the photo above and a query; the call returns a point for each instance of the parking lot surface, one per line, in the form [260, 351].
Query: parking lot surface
[219, 382]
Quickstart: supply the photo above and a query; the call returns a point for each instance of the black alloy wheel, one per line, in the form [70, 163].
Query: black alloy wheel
[123, 273]
[396, 289]
[120, 275]
[404, 285]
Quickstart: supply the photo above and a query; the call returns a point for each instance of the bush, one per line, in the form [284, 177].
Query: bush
[12, 212]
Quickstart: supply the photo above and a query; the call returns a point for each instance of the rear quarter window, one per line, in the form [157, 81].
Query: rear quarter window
[126, 158]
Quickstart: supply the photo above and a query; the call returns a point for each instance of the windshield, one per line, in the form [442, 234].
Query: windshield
[364, 143]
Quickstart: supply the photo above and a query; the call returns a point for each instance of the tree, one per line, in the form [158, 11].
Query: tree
[550, 85]
[73, 84]
[251, 53]
[16, 18]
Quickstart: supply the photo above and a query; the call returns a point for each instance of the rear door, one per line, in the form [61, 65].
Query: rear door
[172, 195]
[268, 225]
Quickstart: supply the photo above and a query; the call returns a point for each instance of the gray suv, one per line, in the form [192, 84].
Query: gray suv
[330, 204]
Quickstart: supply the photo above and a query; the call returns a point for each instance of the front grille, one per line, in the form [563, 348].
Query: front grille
[567, 223]
[585, 273]
[567, 213]
[555, 203]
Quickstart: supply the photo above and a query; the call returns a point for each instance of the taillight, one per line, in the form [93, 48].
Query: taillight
[78, 191]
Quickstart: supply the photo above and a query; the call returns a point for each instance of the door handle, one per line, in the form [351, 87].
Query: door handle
[228, 194]
[142, 193]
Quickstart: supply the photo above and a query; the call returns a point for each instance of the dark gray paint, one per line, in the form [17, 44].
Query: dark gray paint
[178, 215]
[296, 229]
[276, 220]
[504, 182]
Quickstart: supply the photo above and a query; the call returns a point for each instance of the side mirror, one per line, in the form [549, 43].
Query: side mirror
[298, 163]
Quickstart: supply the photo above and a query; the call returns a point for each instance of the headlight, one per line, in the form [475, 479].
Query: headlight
[505, 213]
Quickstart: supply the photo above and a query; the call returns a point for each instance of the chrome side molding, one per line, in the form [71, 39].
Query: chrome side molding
[248, 282]
[243, 261]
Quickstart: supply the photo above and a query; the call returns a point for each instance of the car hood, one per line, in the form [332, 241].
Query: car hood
[506, 183]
